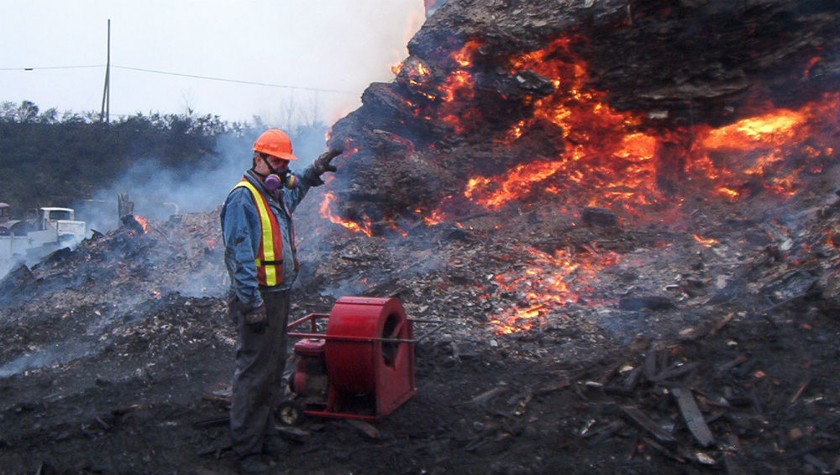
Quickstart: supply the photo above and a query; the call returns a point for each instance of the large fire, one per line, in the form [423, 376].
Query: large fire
[631, 163]
[615, 159]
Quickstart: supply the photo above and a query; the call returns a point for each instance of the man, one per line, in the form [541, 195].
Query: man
[260, 257]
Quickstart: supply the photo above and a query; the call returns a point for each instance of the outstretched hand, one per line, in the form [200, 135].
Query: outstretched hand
[323, 163]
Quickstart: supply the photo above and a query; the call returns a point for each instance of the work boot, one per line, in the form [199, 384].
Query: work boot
[253, 464]
[275, 447]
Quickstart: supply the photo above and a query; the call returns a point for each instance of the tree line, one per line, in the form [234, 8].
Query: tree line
[49, 158]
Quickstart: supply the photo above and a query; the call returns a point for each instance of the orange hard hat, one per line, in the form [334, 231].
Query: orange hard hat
[276, 143]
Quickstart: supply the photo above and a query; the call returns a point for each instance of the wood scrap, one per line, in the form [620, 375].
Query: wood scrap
[799, 391]
[486, 396]
[364, 427]
[693, 417]
[675, 371]
[642, 420]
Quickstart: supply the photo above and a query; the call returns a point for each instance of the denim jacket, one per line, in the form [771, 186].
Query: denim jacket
[242, 234]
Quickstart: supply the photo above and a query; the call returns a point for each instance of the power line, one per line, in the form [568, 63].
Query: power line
[194, 76]
[239, 81]
[32, 68]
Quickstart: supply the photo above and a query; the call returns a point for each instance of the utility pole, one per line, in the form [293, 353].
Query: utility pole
[105, 114]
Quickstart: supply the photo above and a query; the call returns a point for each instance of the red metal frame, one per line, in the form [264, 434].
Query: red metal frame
[361, 361]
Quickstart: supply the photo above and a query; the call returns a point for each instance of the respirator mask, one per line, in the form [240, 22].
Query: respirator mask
[277, 178]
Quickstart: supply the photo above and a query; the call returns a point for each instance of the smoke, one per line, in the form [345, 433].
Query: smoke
[327, 53]
[158, 192]
[9, 264]
[52, 354]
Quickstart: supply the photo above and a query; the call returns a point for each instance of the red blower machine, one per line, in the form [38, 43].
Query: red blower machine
[360, 367]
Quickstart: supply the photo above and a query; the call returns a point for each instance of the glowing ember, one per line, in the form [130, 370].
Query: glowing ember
[548, 284]
[728, 193]
[774, 129]
[811, 63]
[708, 242]
[620, 160]
[457, 90]
[464, 56]
[834, 239]
[515, 132]
[435, 218]
[609, 161]
[516, 183]
[414, 71]
[605, 161]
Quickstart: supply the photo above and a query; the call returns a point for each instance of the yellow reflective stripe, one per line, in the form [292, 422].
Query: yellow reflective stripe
[267, 238]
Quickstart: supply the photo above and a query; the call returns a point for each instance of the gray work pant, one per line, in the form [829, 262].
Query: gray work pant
[257, 381]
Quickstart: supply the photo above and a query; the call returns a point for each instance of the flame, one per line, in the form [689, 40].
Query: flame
[515, 132]
[707, 242]
[436, 217]
[464, 56]
[143, 222]
[547, 284]
[620, 160]
[776, 146]
[609, 160]
[774, 129]
[414, 70]
[458, 89]
[458, 86]
[728, 193]
[326, 212]
[442, 100]
[493, 193]
[365, 224]
[604, 152]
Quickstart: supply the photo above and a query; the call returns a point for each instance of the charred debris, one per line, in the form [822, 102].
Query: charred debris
[627, 213]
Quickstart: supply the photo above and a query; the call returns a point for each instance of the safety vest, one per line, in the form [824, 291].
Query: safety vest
[270, 255]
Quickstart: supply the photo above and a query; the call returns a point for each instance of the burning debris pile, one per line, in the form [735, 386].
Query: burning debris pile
[631, 106]
[620, 113]
[626, 212]
[621, 169]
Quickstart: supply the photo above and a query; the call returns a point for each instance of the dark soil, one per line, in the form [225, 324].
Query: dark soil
[117, 357]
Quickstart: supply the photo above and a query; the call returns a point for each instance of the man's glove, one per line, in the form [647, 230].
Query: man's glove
[256, 318]
[322, 164]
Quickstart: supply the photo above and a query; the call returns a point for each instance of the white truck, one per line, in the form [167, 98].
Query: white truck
[53, 228]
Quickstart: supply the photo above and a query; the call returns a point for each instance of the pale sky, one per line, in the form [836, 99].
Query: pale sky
[332, 45]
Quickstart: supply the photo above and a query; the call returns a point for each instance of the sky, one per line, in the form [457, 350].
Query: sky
[312, 58]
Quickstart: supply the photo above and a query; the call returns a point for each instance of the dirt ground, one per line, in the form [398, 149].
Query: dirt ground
[698, 336]
[116, 356]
